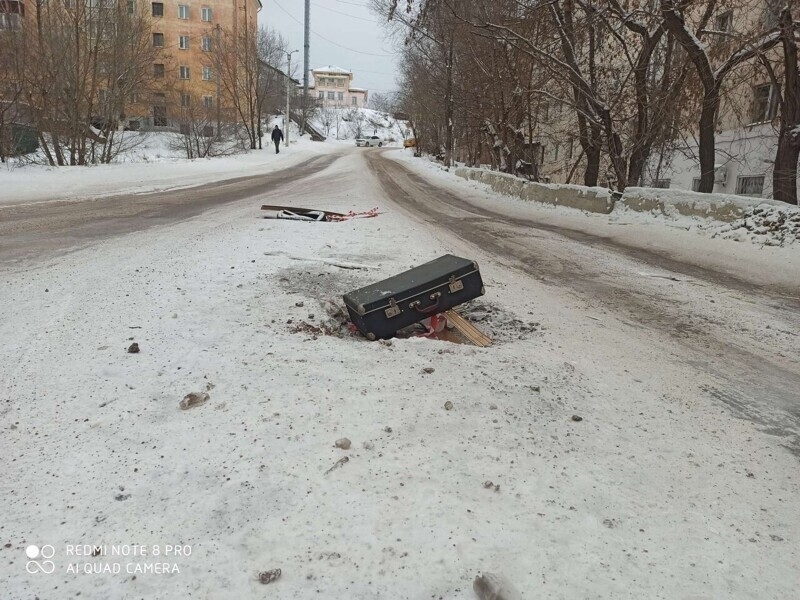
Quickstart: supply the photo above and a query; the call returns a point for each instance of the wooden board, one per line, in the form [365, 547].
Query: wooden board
[471, 333]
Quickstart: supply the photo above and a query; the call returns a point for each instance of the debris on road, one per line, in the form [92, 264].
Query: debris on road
[577, 418]
[133, 348]
[489, 486]
[266, 577]
[381, 309]
[343, 443]
[294, 213]
[490, 586]
[448, 405]
[194, 399]
[338, 464]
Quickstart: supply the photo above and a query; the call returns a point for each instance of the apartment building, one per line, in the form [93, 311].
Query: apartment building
[185, 82]
[332, 88]
[746, 132]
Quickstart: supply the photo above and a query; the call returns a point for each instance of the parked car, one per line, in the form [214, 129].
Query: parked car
[409, 143]
[369, 141]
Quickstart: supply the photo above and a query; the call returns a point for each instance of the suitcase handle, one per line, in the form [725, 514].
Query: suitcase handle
[436, 296]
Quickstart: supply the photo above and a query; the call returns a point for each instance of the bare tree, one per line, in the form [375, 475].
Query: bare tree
[85, 61]
[11, 71]
[784, 174]
[711, 75]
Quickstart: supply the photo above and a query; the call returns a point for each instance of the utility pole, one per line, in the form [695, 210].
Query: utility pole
[305, 62]
[286, 117]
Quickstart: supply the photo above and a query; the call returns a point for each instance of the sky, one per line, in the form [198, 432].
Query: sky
[344, 33]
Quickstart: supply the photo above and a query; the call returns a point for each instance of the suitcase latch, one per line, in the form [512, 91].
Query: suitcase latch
[393, 309]
[456, 285]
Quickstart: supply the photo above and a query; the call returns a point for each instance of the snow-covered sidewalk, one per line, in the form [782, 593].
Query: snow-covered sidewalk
[157, 171]
[653, 494]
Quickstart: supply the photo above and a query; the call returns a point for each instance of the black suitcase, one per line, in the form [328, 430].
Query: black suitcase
[381, 309]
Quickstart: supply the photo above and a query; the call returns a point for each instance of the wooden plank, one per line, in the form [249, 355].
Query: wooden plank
[468, 330]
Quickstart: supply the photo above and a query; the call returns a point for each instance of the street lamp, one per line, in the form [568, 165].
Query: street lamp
[286, 118]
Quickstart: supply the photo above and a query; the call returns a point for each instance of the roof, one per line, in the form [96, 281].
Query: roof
[276, 69]
[355, 89]
[332, 69]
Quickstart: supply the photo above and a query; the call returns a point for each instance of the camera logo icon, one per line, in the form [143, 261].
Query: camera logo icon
[34, 553]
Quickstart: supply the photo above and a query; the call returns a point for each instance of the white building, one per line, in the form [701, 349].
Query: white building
[332, 88]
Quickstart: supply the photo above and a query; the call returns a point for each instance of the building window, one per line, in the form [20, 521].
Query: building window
[158, 40]
[183, 42]
[354, 100]
[751, 185]
[696, 184]
[205, 14]
[131, 7]
[158, 70]
[206, 44]
[186, 100]
[207, 74]
[725, 22]
[341, 96]
[570, 148]
[183, 72]
[183, 11]
[662, 183]
[158, 9]
[764, 103]
[321, 95]
[331, 95]
[208, 101]
[159, 115]
[555, 152]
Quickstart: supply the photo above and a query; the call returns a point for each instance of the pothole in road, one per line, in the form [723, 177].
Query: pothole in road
[327, 316]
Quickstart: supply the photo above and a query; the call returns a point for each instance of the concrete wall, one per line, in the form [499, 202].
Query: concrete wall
[596, 199]
[720, 207]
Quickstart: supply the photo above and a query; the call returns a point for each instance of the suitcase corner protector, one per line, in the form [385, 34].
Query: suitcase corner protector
[475, 265]
[483, 290]
[361, 310]
[371, 336]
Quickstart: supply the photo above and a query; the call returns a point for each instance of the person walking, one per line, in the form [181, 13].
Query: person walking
[277, 138]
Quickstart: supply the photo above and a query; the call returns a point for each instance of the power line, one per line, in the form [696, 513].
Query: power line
[338, 12]
[329, 40]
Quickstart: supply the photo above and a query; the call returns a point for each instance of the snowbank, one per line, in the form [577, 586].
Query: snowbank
[740, 218]
[150, 167]
[669, 202]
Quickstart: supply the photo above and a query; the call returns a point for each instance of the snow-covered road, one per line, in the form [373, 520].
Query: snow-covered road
[662, 490]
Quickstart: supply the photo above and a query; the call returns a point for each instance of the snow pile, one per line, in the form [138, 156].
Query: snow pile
[765, 224]
[148, 168]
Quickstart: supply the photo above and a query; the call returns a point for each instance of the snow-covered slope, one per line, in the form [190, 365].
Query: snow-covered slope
[349, 123]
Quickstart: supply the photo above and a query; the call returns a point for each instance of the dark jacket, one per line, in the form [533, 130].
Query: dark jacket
[277, 135]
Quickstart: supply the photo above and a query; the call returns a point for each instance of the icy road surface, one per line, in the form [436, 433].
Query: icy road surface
[679, 353]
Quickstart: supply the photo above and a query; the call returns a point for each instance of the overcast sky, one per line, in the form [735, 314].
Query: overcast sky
[344, 33]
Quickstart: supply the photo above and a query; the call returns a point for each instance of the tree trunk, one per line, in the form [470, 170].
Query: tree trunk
[706, 150]
[592, 172]
[784, 174]
[448, 151]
